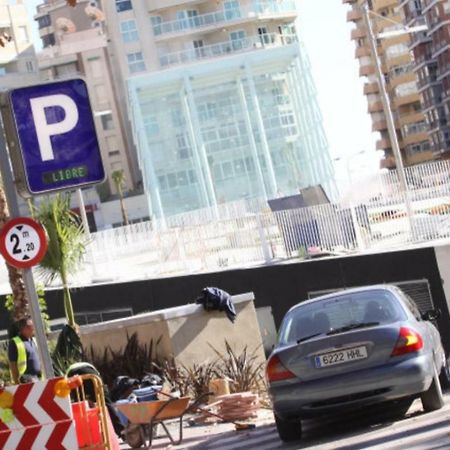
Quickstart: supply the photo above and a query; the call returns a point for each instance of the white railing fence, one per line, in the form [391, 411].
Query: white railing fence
[248, 232]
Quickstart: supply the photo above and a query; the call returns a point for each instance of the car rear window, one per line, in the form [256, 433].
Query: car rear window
[322, 316]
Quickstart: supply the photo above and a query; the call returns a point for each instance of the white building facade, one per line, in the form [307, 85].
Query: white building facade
[221, 100]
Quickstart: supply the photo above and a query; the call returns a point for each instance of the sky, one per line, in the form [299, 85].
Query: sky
[325, 31]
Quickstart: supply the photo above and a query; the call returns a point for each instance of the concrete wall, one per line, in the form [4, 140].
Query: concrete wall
[187, 332]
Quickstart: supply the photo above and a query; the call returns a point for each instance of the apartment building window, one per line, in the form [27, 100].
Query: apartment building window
[48, 40]
[396, 50]
[30, 66]
[187, 19]
[123, 5]
[405, 89]
[107, 122]
[44, 21]
[156, 24]
[231, 9]
[183, 146]
[238, 39]
[129, 31]
[151, 125]
[135, 62]
[114, 153]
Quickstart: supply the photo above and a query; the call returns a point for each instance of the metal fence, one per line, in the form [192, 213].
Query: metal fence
[246, 233]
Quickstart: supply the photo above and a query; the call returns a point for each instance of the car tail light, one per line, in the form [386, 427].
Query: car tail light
[275, 371]
[408, 341]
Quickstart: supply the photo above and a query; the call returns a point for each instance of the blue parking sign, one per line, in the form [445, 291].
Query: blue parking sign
[56, 135]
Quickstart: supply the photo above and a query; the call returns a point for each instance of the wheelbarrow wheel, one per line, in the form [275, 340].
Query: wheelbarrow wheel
[133, 435]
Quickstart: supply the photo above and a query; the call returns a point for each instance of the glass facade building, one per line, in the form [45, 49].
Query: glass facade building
[234, 126]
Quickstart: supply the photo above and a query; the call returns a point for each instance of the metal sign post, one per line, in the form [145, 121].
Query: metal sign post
[13, 205]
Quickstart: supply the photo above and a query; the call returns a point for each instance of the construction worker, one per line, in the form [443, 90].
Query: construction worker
[23, 354]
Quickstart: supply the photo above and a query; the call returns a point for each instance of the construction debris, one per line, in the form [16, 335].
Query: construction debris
[230, 407]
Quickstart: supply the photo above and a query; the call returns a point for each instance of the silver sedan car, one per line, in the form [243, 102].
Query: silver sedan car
[351, 349]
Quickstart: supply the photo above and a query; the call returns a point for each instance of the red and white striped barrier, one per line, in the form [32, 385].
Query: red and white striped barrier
[34, 417]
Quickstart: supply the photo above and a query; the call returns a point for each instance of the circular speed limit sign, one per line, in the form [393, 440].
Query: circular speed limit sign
[23, 242]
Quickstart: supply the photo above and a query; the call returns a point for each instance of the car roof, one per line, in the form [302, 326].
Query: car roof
[373, 287]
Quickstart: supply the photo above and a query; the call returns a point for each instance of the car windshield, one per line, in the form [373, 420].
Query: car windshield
[339, 314]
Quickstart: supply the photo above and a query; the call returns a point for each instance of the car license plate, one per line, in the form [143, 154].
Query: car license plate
[341, 356]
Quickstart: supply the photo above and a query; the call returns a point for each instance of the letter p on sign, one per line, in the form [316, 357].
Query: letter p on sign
[55, 133]
[45, 130]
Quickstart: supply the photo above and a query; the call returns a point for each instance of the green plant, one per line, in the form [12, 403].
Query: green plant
[244, 369]
[118, 177]
[66, 246]
[134, 360]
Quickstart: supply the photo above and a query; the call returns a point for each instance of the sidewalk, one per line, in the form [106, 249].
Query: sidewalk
[202, 436]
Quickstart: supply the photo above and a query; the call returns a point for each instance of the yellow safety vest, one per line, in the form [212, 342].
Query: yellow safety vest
[21, 355]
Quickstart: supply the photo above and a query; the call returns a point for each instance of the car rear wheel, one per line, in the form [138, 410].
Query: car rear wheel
[444, 376]
[432, 399]
[288, 430]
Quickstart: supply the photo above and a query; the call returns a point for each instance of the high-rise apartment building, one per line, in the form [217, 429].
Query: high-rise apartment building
[401, 81]
[18, 65]
[431, 50]
[75, 44]
[221, 100]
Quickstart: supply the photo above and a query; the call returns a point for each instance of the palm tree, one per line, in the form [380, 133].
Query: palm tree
[66, 244]
[118, 177]
[20, 301]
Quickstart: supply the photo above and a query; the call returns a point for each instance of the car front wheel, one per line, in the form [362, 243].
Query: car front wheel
[288, 430]
[432, 399]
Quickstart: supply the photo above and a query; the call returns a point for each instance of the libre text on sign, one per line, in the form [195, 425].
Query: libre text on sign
[56, 137]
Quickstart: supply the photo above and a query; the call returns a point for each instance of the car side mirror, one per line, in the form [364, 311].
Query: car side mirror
[431, 314]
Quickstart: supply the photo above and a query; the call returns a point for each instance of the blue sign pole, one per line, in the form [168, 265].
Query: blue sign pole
[56, 135]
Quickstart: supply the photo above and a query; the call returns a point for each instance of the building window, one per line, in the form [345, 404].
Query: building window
[129, 31]
[107, 122]
[30, 66]
[238, 39]
[44, 21]
[183, 146]
[135, 62]
[48, 40]
[151, 125]
[123, 5]
[156, 24]
[114, 153]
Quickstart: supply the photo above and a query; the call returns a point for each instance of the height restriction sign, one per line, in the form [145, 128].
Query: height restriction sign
[23, 242]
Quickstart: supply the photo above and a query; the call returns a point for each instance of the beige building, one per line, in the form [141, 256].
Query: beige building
[18, 65]
[75, 44]
[401, 81]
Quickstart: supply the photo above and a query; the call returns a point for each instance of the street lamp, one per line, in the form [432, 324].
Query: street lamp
[347, 159]
[387, 106]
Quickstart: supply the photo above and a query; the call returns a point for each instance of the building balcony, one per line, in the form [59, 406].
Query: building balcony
[406, 99]
[371, 88]
[379, 125]
[360, 52]
[366, 70]
[358, 33]
[227, 48]
[375, 107]
[354, 15]
[414, 138]
[212, 20]
[381, 4]
[388, 162]
[383, 144]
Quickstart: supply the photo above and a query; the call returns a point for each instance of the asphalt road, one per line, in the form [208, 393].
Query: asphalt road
[374, 429]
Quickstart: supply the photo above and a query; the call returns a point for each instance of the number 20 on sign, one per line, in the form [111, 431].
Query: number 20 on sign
[23, 242]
